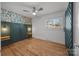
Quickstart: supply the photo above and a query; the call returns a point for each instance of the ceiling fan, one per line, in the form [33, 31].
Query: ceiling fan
[34, 10]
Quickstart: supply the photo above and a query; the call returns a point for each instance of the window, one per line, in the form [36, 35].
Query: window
[55, 23]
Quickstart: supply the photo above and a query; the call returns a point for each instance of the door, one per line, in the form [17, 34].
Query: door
[18, 32]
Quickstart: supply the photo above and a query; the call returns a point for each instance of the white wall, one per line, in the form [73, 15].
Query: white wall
[0, 21]
[39, 29]
[76, 27]
[0, 7]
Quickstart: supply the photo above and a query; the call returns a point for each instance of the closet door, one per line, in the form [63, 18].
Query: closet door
[15, 32]
[18, 32]
[69, 28]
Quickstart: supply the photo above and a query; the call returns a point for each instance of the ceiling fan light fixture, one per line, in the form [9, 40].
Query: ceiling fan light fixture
[34, 13]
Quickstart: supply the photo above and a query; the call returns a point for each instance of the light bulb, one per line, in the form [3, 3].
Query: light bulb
[34, 13]
[4, 29]
[29, 29]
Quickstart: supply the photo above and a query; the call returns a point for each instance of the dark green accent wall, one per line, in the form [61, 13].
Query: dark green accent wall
[17, 32]
[69, 28]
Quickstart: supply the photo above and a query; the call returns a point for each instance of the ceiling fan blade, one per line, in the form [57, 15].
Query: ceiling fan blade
[34, 8]
[40, 9]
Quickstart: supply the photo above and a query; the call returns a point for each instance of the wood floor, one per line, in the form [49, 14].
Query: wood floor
[34, 47]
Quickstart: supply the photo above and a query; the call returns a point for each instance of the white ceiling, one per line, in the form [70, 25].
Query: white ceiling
[48, 7]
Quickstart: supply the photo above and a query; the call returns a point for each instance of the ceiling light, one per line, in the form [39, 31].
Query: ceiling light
[34, 13]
